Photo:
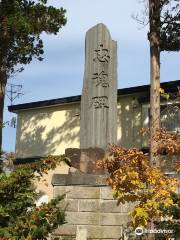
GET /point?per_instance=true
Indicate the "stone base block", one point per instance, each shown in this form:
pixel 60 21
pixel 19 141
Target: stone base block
pixel 85 159
pixel 93 232
pixel 103 232
pixel 65 230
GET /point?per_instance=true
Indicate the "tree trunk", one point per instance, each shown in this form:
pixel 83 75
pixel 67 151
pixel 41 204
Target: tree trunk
pixel 3 81
pixel 154 38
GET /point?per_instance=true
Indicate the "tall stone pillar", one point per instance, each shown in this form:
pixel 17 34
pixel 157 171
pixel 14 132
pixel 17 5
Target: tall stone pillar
pixel 98 125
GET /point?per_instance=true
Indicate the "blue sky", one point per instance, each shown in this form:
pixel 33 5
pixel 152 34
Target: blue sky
pixel 61 72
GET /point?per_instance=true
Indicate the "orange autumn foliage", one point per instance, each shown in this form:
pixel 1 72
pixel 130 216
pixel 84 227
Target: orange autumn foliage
pixel 133 179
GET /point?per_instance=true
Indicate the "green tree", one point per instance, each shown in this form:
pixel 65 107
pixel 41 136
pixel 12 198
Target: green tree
pixel 21 25
pixel 20 218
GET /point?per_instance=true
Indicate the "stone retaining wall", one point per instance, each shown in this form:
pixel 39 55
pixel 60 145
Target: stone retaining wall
pixel 90 206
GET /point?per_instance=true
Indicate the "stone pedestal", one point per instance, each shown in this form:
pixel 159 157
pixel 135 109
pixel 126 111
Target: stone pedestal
pixel 89 206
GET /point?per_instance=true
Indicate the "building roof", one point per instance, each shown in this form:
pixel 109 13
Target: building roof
pixel 168 86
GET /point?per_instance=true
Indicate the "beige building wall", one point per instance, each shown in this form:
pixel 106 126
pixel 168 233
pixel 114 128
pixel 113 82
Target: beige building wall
pixel 50 130
pixel 47 131
pixel 129 122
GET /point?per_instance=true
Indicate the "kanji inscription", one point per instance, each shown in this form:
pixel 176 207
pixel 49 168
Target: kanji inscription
pixel 100 102
pixel 101 79
pixel 102 54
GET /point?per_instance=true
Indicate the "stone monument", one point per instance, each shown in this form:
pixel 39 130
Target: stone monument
pixel 98 125
pixel 91 211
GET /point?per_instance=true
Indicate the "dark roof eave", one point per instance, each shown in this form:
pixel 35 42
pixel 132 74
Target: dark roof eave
pixel 45 103
pixel 168 86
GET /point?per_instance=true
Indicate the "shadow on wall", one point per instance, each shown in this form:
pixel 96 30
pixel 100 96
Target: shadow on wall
pixel 47 131
pixel 129 123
